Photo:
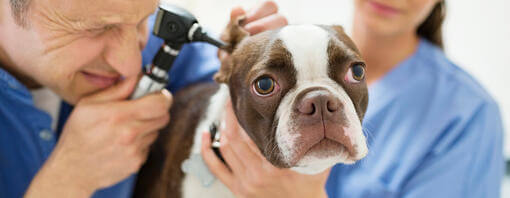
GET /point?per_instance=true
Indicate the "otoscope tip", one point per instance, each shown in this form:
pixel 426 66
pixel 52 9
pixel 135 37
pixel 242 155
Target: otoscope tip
pixel 200 35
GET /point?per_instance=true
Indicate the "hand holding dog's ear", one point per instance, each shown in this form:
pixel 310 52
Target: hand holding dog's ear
pixel 261 18
pixel 249 174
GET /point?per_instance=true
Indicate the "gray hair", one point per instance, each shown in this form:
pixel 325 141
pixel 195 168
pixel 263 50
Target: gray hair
pixel 19 11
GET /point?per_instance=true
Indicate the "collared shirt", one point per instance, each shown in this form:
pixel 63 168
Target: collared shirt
pixel 26 135
pixel 432 130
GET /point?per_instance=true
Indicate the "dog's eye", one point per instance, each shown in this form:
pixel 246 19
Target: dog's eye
pixel 264 85
pixel 356 73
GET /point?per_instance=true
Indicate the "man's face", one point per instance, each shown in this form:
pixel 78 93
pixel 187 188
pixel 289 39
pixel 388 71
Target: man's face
pixel 77 47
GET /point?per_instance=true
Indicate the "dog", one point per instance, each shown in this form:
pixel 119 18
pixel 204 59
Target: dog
pixel 299 93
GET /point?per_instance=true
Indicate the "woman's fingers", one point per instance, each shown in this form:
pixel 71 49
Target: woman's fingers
pixel 249 142
pixel 262 10
pixel 227 152
pixel 236 12
pixel 216 166
pixel 249 159
pixel 240 145
pixel 271 22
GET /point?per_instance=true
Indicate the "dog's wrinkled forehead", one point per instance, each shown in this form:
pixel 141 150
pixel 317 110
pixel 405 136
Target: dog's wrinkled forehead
pixel 308 48
pixel 312 47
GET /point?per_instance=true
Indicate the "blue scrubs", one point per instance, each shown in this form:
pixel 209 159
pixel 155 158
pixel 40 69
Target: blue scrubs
pixel 432 130
pixel 26 137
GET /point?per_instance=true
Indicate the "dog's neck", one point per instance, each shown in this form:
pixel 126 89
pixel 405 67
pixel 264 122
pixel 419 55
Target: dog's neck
pixel 213 115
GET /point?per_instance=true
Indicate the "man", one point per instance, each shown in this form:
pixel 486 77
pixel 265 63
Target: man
pixel 89 53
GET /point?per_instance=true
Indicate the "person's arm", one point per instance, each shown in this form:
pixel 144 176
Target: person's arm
pixel 466 164
pixel 105 140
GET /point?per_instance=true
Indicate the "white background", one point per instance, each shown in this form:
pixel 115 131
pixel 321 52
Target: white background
pixel 477 35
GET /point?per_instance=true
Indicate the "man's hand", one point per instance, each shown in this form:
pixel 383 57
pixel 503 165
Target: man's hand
pixel 261 18
pixel 105 140
pixel 249 174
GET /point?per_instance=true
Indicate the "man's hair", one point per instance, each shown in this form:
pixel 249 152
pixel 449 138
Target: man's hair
pixel 19 11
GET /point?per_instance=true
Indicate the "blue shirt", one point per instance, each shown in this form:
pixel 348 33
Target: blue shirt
pixel 26 137
pixel 432 130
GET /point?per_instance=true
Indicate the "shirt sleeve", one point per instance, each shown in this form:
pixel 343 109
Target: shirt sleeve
pixel 467 164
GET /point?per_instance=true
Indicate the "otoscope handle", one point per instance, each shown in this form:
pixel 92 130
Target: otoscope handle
pixel 145 86
pixel 176 27
pixel 156 77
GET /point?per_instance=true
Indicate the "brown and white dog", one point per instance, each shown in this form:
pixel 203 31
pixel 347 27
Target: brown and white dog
pixel 299 92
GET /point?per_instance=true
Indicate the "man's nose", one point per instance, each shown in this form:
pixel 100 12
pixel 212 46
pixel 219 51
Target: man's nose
pixel 123 51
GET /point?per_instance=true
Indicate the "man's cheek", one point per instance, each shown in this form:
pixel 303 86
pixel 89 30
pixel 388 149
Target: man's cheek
pixel 144 34
pixel 64 66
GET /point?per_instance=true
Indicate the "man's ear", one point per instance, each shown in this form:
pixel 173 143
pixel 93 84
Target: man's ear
pixel 233 35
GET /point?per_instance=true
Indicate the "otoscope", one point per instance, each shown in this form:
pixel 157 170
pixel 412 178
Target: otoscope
pixel 176 27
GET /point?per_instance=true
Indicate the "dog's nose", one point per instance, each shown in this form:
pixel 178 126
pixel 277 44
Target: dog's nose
pixel 318 103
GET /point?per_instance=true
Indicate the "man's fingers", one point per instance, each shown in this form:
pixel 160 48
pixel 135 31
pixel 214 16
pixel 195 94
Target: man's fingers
pixel 262 10
pixel 139 129
pixel 154 125
pixel 146 140
pixel 267 23
pixel 216 166
pixel 119 91
pixel 151 106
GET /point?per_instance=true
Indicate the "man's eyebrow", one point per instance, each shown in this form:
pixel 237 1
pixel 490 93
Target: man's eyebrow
pixel 109 21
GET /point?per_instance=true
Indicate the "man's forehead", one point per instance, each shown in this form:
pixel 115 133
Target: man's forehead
pixel 103 11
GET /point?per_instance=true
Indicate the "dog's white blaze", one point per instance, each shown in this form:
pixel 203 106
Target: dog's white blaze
pixel 191 186
pixel 308 45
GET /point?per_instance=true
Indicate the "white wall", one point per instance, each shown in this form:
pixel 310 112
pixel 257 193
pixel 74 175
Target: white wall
pixel 477 34
pixel 477 37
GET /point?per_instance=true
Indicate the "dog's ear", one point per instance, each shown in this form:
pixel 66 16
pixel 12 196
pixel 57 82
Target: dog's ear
pixel 233 35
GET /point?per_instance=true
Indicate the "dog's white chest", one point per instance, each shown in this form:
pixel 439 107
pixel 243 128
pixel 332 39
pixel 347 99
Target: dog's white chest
pixel 192 186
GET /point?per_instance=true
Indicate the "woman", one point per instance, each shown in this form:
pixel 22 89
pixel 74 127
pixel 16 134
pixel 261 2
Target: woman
pixel 433 131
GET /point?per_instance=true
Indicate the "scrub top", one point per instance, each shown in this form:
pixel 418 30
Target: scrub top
pixel 432 131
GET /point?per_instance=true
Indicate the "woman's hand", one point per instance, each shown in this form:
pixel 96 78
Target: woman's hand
pixel 261 18
pixel 249 174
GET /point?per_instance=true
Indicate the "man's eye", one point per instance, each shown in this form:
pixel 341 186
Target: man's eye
pixel 95 32
pixel 356 73
pixel 264 86
pixel 99 31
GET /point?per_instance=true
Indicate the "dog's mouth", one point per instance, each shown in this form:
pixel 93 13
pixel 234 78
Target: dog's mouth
pixel 323 149
pixel 335 144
